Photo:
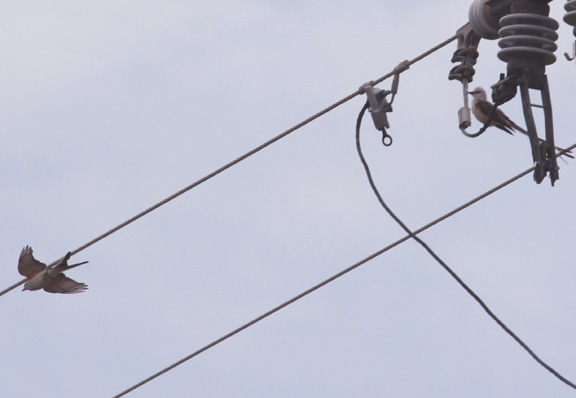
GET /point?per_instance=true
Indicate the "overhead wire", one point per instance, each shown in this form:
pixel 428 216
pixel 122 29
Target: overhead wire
pixel 243 157
pixel 446 267
pixel 411 234
pixel 334 277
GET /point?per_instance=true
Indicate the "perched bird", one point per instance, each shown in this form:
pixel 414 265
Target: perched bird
pixel 482 108
pixel 51 280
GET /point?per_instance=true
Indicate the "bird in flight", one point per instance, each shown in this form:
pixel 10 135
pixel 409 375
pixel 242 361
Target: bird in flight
pixel 52 279
pixel 482 108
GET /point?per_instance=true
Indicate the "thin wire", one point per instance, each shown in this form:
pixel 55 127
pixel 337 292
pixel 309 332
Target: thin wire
pixel 243 157
pixel 442 263
pixel 418 58
pixel 334 277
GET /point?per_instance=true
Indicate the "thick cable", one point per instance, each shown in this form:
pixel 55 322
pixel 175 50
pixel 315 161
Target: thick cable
pixel 241 158
pixel 334 277
pixel 443 264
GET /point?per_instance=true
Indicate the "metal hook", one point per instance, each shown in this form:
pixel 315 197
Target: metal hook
pixel 386 139
pixel 573 57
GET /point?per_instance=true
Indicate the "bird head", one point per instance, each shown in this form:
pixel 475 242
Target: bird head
pixel 478 93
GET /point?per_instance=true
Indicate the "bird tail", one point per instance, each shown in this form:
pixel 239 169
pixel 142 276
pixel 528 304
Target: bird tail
pixel 62 265
pixel 521 130
pixel 75 265
pixel 518 128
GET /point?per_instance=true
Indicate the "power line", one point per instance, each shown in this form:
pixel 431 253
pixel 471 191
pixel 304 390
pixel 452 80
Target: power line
pixel 333 278
pixel 442 263
pixel 243 157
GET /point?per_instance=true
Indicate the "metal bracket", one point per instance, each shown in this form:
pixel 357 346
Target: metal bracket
pixel 543 151
pixel 505 89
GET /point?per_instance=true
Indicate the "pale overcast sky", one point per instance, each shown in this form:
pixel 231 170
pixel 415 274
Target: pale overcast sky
pixel 108 107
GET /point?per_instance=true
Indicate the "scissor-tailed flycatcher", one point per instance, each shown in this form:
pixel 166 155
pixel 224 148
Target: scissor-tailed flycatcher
pixel 482 108
pixel 51 280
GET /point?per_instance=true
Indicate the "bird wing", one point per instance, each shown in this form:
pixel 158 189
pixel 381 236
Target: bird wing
pixel 28 265
pixel 62 284
pixel 516 127
pixel 482 110
pixel 503 122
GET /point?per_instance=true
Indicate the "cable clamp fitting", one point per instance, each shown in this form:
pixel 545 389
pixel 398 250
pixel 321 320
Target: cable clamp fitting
pixel 379 105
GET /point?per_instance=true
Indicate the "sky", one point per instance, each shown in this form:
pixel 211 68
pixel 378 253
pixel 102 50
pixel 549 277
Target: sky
pixel 108 107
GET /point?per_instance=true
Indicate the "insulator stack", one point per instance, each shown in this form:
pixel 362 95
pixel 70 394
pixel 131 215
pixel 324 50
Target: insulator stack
pixel 528 43
pixel 570 16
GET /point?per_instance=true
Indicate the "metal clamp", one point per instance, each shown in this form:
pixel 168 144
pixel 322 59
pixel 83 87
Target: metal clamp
pixel 379 105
